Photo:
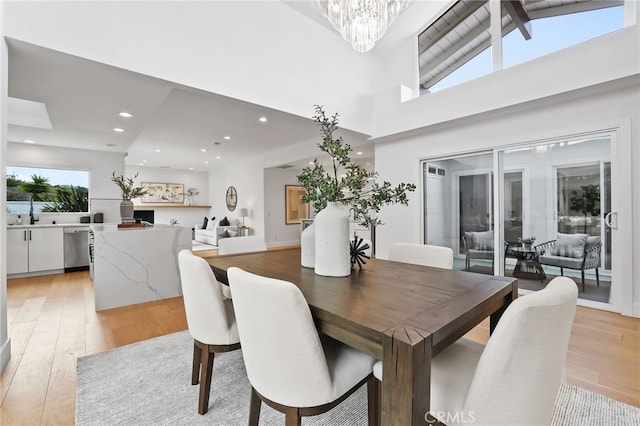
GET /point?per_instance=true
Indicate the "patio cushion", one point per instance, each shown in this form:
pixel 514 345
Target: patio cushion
pixel 562 261
pixel 570 245
pixel 591 242
pixel 482 240
pixel 480 254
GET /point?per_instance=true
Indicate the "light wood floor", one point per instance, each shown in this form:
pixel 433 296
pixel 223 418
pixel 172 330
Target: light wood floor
pixel 52 322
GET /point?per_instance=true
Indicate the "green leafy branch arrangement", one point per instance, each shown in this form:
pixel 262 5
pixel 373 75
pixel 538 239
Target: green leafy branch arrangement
pixel 127 187
pixel 356 187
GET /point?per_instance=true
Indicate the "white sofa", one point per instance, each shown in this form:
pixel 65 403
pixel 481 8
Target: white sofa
pixel 214 232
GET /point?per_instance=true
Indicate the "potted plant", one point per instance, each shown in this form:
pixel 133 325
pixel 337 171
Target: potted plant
pixel 191 192
pixel 527 243
pixel 129 191
pixel 346 184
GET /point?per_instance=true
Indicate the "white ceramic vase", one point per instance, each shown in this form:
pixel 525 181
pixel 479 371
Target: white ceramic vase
pixel 332 241
pixel 308 246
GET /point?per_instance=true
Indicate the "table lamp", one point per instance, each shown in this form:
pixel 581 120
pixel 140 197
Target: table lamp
pixel 243 212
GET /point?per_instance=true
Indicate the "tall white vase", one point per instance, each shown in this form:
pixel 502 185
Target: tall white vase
pixel 332 241
pixel 308 246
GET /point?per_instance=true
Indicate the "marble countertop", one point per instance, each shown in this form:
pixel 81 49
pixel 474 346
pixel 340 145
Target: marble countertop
pixel 113 227
pixel 48 225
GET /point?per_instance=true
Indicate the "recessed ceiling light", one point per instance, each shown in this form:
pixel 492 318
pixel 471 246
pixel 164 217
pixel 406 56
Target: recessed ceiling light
pixel 125 114
pixel 206 162
pixel 29 141
pixel 311 162
pixel 203 150
pixel 144 161
pixel 156 150
pixel 227 138
pixel 218 157
pixel 190 168
pixel 216 143
pixel 359 153
pixel 140 164
pixel 263 119
pixel 118 129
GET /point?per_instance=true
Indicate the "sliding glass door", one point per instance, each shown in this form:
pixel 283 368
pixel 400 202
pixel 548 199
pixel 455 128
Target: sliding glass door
pixel 458 194
pixel 557 195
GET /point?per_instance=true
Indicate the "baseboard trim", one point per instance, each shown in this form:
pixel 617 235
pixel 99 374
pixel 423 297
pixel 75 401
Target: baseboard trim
pixel 5 354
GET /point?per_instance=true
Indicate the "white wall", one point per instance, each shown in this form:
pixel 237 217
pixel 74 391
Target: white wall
pixel 190 179
pixel 5 342
pixel 249 50
pixel 277 232
pixel 248 179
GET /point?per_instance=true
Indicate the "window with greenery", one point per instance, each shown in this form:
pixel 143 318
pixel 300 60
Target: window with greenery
pixel 49 190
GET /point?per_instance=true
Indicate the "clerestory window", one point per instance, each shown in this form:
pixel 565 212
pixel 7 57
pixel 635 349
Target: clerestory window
pixel 456 47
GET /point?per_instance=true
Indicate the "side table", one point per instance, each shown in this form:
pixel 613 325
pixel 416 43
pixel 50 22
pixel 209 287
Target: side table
pixel 528 266
pixel 243 231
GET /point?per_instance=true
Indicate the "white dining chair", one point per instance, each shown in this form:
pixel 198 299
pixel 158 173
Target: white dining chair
pixel 514 379
pixel 290 366
pixel 241 245
pixel 422 254
pixel 210 319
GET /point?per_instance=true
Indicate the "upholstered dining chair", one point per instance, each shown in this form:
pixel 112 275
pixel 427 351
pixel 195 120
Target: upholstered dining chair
pixel 210 320
pixel 514 379
pixel 290 367
pixel 422 254
pixel 241 245
pixel 418 254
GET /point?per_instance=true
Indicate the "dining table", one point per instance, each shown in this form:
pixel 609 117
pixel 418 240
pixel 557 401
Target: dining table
pixel 403 314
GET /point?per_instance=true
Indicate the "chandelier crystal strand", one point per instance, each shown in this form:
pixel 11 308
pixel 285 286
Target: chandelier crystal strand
pixel 361 22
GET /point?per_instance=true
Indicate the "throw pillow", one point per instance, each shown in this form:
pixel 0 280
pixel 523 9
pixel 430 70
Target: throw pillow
pixel 212 224
pixel 225 234
pixel 232 233
pixel 483 240
pixel 570 245
pixel 224 222
pixel 204 224
pixel 591 242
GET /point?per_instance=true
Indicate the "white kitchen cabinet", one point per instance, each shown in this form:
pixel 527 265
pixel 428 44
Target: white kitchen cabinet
pixel 34 250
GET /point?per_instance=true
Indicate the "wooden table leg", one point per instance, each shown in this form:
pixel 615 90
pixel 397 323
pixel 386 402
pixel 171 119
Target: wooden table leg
pixel 495 317
pixel 406 375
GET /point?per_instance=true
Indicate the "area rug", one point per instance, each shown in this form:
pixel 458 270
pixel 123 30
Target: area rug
pixel 149 383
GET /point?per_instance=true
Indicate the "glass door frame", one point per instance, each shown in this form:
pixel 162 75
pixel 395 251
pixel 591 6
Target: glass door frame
pixel 621 299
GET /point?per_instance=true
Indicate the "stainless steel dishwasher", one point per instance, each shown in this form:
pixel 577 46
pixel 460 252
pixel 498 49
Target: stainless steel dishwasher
pixel 76 248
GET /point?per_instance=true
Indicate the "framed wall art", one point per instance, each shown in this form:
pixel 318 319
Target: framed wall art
pixel 294 209
pixel 163 192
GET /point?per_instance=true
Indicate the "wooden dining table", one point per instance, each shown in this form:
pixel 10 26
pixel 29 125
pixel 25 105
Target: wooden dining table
pixel 401 313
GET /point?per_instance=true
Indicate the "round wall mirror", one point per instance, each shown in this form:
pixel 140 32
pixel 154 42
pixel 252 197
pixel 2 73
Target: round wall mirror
pixel 232 198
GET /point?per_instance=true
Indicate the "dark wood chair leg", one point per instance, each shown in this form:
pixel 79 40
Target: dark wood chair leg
pixel 583 290
pixel 597 278
pixel 205 379
pixel 197 360
pixel 292 416
pixel 562 271
pixel 374 407
pixel 254 408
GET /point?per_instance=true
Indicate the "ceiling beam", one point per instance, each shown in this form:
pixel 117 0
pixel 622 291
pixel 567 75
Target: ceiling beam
pixel 519 17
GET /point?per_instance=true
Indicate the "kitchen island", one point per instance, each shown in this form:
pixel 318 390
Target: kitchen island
pixel 136 265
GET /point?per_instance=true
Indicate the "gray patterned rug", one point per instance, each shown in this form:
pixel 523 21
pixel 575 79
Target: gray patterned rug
pixel 149 383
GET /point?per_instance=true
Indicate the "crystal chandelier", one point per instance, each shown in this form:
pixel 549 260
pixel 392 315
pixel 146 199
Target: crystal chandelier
pixel 361 22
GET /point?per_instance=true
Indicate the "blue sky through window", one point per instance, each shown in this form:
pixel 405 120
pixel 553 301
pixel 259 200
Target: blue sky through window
pixel 548 35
